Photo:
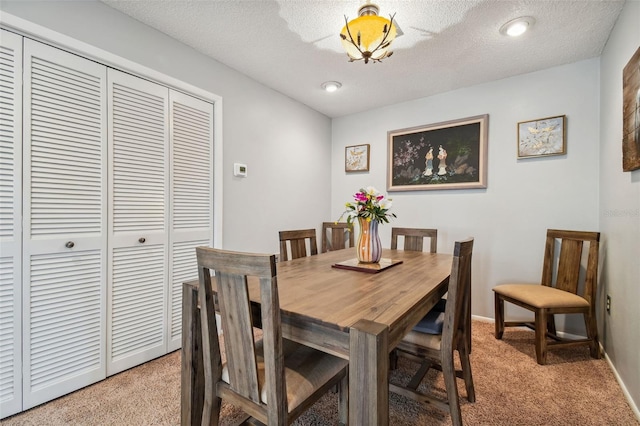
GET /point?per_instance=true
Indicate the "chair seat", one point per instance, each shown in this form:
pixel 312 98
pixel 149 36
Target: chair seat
pixel 306 369
pixel 540 296
pixel 424 340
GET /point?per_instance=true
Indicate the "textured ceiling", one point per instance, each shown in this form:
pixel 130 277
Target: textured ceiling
pixel 293 46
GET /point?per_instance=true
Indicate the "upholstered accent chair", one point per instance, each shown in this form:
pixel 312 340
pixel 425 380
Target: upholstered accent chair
pixel 564 289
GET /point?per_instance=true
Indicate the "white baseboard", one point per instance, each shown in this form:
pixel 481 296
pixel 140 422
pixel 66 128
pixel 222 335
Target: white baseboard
pixel 482 319
pixel 625 392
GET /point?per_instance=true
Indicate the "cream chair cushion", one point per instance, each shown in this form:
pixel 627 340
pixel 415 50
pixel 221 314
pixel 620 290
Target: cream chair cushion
pixel 429 341
pixel 541 296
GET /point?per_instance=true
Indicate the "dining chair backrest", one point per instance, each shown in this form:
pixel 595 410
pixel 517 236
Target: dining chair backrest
pixel 414 238
pixel 231 270
pixel 298 242
pixel 458 305
pixel 567 270
pixel 258 371
pixel 336 236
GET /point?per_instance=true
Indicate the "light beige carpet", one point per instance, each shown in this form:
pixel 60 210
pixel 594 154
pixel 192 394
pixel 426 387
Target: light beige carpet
pixel 511 389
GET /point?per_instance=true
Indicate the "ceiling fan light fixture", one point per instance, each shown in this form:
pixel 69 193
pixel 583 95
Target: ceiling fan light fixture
pixel 518 26
pixel 369 36
pixel 331 86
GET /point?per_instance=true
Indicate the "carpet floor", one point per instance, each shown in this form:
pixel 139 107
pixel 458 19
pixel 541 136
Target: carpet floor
pixel 511 389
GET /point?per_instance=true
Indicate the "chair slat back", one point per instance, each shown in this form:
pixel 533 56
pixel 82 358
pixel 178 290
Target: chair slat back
pixel 231 270
pixel 336 236
pixel 414 238
pixel 567 272
pixel 235 314
pixel 458 295
pixel 298 242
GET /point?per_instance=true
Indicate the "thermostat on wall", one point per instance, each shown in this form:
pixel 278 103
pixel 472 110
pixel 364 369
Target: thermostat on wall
pixel 239 169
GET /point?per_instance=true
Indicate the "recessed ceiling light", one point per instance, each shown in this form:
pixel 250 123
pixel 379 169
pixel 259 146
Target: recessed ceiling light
pixel 331 86
pixel 517 26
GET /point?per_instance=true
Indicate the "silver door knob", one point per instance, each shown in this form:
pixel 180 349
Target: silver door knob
pixel 141 240
pixel 69 244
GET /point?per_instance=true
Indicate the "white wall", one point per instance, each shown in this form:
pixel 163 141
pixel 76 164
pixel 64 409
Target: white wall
pixel 285 144
pixel 620 208
pixel 524 197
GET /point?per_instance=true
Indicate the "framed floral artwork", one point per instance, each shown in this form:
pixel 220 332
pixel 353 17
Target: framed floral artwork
pixel 542 137
pixel 631 114
pixel 356 158
pixel 447 155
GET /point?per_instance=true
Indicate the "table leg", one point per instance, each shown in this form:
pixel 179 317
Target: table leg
pixel 192 368
pixel 368 374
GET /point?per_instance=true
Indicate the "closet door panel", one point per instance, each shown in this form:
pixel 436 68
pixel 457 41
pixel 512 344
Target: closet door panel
pixel 183 265
pixel 64 245
pixel 10 226
pixel 139 163
pixel 191 197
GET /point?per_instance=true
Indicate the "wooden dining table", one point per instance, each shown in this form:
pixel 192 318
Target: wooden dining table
pixel 356 315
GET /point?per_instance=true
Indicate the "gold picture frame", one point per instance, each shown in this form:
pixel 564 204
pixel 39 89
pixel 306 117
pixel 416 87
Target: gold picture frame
pixel 356 158
pixel 542 137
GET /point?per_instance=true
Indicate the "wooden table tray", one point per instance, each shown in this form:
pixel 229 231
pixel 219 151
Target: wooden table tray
pixel 370 268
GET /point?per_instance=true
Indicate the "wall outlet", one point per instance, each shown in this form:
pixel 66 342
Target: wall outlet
pixel 608 304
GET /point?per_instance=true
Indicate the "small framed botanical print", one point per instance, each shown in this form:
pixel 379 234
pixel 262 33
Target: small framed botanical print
pixel 542 137
pixel 356 158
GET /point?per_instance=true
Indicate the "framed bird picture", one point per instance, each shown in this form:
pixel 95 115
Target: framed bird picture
pixel 542 137
pixel 356 158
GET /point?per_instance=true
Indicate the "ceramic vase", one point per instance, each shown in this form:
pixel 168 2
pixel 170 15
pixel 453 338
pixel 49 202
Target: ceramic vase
pixel 369 247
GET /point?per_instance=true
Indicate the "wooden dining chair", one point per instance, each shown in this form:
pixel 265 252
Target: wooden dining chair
pixel 564 289
pixel 414 238
pixel 272 379
pixel 437 336
pixel 336 236
pixel 297 240
pixel 414 241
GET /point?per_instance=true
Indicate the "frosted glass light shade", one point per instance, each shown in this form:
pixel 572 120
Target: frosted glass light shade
pixel 368 38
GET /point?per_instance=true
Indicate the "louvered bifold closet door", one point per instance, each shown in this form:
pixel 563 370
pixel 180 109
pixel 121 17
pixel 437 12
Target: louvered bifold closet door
pixel 139 188
pixel 10 227
pixel 65 241
pixel 191 196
